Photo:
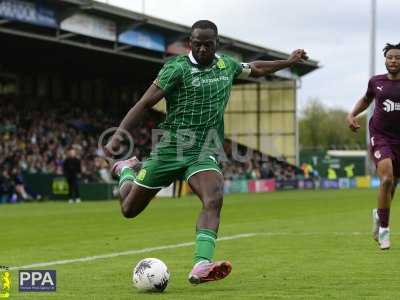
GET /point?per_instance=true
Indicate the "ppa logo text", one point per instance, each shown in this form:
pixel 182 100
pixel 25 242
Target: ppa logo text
pixel 37 281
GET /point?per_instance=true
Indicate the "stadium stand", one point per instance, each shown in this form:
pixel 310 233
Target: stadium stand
pixel 69 69
pixel 36 142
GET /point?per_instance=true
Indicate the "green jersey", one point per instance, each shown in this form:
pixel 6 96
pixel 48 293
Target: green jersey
pixel 196 97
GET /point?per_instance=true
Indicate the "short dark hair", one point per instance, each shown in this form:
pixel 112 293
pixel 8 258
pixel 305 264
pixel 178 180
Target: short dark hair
pixel 390 47
pixel 204 24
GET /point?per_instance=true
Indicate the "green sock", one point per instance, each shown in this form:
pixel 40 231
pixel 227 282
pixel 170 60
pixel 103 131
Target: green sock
pixel 205 245
pixel 127 174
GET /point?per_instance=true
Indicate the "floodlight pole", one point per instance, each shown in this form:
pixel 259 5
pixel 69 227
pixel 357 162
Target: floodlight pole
pixel 372 40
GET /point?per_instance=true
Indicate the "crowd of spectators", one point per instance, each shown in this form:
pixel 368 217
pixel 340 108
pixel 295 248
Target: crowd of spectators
pixel 37 141
pixel 255 165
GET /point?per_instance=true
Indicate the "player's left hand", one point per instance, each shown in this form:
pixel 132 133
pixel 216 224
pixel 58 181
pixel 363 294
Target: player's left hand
pixel 297 56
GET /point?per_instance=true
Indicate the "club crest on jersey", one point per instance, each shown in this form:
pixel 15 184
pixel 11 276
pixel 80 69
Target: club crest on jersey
pixel 221 64
pixel 389 105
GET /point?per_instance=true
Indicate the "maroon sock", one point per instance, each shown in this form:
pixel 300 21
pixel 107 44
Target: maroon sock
pixel 384 214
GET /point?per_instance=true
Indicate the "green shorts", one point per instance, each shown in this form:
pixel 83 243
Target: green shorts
pixel 157 173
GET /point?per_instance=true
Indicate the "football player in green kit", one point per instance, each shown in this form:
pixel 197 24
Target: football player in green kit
pixel 196 88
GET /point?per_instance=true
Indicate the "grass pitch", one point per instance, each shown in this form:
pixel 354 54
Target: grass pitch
pixel 307 245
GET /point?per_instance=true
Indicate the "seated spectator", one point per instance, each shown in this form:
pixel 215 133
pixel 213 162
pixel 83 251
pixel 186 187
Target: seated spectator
pixel 19 185
pixel 7 193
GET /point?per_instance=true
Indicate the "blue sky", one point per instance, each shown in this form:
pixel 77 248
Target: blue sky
pixel 336 33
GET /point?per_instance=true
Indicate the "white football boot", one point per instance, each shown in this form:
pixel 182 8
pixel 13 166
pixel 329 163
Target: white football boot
pixel 384 238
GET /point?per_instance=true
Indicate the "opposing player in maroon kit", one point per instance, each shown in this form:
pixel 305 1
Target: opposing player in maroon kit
pixel 384 129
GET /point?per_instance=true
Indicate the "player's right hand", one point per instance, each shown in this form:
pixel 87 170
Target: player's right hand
pixel 352 122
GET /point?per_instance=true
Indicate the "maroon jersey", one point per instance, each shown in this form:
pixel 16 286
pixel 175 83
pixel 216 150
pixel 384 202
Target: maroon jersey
pixel 385 122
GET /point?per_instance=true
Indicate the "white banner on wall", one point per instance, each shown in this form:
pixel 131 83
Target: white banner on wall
pixel 90 26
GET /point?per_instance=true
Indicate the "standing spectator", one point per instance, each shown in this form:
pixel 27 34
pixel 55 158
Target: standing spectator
pixel 331 173
pixel 307 170
pixel 72 171
pixel 349 169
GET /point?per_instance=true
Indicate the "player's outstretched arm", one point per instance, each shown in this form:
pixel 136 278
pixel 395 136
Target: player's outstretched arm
pixel 150 98
pixel 261 68
pixel 360 106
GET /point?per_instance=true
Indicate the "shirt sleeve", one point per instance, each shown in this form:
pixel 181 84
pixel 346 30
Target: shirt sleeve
pixel 242 70
pixel 169 76
pixel 245 71
pixel 370 91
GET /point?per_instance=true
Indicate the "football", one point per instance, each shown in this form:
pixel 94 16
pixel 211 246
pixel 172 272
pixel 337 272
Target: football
pixel 150 275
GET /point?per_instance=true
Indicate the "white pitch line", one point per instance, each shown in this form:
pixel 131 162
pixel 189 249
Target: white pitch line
pixel 166 247
pixel 124 253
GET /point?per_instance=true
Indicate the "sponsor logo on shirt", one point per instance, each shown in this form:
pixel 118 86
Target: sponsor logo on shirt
pixel 380 88
pixel 389 105
pixel 194 70
pixel 196 82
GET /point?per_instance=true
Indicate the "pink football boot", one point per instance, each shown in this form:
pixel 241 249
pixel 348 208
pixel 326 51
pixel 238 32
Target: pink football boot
pixel 205 271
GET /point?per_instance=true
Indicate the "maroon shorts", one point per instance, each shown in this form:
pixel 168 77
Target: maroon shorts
pixel 379 149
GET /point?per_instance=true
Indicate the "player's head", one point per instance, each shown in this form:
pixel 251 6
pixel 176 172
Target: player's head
pixel 392 55
pixel 203 41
